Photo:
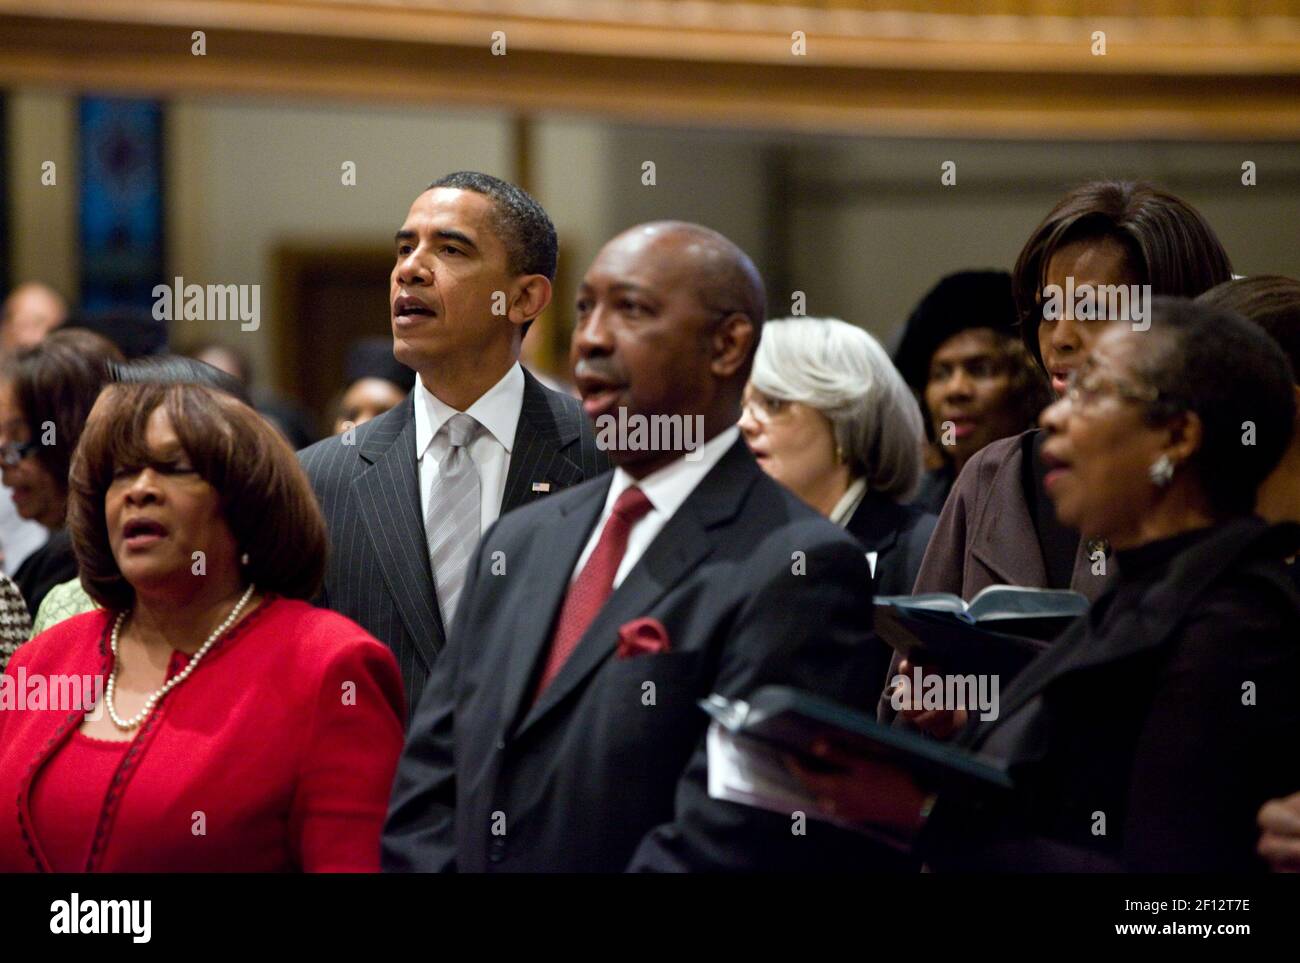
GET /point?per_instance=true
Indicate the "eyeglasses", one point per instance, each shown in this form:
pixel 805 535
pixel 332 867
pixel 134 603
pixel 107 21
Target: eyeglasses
pixel 1085 388
pixel 15 451
pixel 762 408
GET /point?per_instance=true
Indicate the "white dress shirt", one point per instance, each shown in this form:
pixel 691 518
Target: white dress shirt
pixel 666 489
pixel 497 410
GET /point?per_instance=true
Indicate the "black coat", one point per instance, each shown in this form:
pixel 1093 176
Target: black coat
pixel 591 777
pixel 379 574
pixel 52 564
pixel 1170 711
pixel 898 534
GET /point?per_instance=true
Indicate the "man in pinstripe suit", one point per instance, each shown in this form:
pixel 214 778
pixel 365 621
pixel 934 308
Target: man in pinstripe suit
pixel 407 495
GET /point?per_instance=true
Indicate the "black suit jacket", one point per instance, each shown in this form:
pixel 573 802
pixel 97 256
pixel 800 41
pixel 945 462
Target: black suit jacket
pixel 1140 712
pixel 378 572
pixel 898 534
pixel 607 771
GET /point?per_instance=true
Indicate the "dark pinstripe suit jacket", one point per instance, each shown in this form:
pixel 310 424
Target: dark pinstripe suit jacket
pixel 378 572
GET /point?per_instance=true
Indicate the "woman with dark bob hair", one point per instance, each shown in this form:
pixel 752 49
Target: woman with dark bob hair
pixel 46 393
pixel 1149 734
pixel 239 728
pixel 998 526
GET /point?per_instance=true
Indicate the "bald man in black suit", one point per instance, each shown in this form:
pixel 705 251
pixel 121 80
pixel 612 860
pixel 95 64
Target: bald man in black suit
pixel 560 730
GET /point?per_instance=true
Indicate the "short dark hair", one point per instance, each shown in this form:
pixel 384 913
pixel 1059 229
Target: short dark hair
pixel 524 225
pixel 266 498
pixel 1228 371
pixel 56 383
pixel 1271 301
pixel 175 369
pixel 1169 244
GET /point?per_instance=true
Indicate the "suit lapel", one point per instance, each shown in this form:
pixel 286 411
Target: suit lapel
pixel 875 522
pixel 675 553
pixel 388 498
pixel 1003 538
pixel 537 458
pixel 560 541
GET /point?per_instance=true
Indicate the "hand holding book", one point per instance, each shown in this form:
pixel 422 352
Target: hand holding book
pixel 863 790
pixel 935 723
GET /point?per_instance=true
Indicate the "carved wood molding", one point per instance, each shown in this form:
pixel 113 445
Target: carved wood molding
pixel 689 63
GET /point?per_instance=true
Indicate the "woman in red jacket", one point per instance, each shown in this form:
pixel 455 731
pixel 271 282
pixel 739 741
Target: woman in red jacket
pixel 239 728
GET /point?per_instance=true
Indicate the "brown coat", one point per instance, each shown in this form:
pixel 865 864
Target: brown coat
pixel 986 536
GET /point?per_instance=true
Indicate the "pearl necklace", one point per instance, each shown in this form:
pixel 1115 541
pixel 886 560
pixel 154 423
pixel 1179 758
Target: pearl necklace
pixel 126 725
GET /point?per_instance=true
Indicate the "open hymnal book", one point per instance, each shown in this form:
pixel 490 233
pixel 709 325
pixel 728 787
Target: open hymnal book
pixel 997 603
pixel 1003 629
pixel 749 740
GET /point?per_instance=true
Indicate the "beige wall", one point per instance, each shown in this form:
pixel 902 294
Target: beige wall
pixel 42 219
pixel 870 226
pixel 888 229
pixel 246 176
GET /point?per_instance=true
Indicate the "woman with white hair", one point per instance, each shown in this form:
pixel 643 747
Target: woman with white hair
pixel 827 414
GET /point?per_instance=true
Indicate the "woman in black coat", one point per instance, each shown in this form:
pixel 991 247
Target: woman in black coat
pixel 46 393
pixel 828 415
pixel 1147 737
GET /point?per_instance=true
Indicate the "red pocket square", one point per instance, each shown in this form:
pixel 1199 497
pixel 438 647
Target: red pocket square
pixel 642 637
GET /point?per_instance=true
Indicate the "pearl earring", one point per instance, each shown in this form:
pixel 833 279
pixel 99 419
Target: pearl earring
pixel 243 559
pixel 1162 471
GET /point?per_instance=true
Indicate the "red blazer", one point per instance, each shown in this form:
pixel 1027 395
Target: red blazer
pixel 285 739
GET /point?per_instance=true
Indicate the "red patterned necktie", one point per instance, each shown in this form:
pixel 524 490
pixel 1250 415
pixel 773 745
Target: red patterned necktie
pixel 594 583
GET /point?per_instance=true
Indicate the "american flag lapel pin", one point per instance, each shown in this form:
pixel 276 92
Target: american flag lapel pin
pixel 541 487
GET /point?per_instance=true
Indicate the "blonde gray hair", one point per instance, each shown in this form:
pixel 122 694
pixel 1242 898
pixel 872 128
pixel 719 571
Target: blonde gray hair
pixel 843 372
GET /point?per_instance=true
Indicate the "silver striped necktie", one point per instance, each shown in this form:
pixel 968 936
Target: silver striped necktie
pixel 453 522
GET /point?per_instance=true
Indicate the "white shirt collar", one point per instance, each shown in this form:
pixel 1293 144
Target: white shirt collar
pixel 671 485
pixel 497 410
pixel 849 502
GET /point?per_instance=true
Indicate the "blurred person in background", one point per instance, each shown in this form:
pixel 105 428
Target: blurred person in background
pixel 227 693
pixel 288 417
pixel 30 312
pixel 1273 302
pixel 15 620
pixel 46 392
pixel 375 382
pixel 136 333
pixel 70 598
pixel 960 352
pixel 827 415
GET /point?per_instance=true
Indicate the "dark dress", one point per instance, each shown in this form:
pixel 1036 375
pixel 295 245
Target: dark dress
pixel 1148 736
pixel 50 565
pixel 935 486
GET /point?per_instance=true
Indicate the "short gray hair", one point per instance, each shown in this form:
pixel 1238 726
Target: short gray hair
pixel 843 372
